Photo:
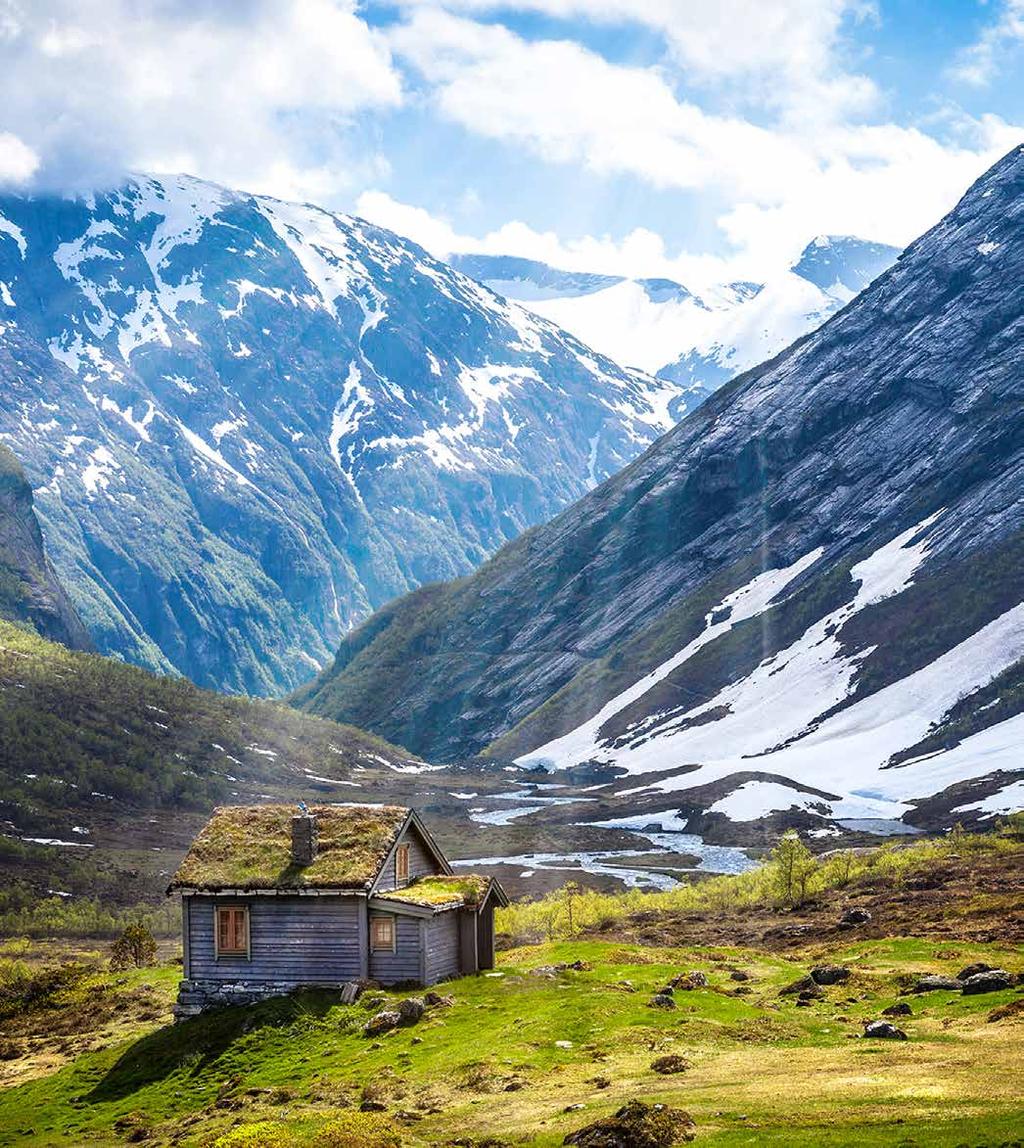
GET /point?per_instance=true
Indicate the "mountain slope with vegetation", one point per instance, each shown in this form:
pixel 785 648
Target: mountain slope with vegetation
pixel 806 597
pixel 250 422
pixel 29 589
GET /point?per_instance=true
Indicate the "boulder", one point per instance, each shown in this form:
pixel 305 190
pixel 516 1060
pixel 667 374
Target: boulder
pixel 933 982
pixel 383 1021
pixel 637 1125
pixel 410 1010
pixel 854 917
pixel 671 1064
pixel 883 1030
pixel 972 970
pixel 901 1008
pixel 804 984
pixel 434 1000
pixel 739 975
pixel 830 974
pixel 991 981
pixel 660 1000
pixel 691 980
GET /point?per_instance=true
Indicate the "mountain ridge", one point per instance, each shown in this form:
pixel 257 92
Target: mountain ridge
pixel 249 422
pixel 773 541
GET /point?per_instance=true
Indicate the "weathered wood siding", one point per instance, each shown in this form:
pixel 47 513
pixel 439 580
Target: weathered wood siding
pixel 302 940
pixel 405 963
pixel 485 936
pixel 421 861
pixel 442 947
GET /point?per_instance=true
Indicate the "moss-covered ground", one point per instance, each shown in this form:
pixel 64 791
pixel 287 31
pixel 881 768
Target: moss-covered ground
pixel 520 1047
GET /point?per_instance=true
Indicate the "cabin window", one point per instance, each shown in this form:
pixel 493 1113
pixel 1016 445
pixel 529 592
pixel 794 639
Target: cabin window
pixel 382 933
pixel 402 864
pixel 232 931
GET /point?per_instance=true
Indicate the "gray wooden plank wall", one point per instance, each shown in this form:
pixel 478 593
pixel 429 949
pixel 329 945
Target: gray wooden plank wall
pixel 303 940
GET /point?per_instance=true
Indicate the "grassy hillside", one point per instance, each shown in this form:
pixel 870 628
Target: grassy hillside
pixel 562 1033
pixel 530 1053
pixel 123 766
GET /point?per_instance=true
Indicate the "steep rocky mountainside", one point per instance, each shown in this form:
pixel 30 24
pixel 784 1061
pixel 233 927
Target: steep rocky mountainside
pixel 807 596
pixel 29 590
pixel 248 422
pixel 699 340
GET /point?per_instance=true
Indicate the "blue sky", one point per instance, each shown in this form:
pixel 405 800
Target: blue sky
pixel 638 136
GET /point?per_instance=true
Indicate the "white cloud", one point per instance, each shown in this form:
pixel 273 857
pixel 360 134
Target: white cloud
pixel 256 93
pixel 979 62
pixel 18 162
pixel 780 183
pixel 784 54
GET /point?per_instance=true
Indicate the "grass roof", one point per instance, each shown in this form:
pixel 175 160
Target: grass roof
pixel 467 889
pixel 250 847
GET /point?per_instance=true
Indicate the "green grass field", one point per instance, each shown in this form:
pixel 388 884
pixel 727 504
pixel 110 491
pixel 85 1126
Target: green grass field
pixel 763 1071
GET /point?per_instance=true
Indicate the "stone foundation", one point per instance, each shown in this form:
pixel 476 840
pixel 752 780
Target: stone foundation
pixel 195 997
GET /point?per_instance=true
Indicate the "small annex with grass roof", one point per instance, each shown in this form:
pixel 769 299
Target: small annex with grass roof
pixel 276 898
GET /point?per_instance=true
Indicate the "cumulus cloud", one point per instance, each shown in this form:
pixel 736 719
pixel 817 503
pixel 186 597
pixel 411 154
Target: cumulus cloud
pixel 780 181
pixel 18 162
pixel 978 63
pixel 257 93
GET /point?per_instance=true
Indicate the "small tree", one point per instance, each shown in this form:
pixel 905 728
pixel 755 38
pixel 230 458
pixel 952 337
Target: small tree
pixel 134 948
pixel 794 866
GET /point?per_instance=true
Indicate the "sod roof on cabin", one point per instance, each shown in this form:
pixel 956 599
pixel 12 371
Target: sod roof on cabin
pixel 250 847
pixel 467 889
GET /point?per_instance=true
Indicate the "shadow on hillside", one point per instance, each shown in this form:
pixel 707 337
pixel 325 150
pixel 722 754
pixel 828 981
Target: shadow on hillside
pixel 191 1048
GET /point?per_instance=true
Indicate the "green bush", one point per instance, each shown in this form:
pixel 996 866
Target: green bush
pixel 135 948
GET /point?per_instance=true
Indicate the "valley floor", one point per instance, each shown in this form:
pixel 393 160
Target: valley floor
pixel 531 1052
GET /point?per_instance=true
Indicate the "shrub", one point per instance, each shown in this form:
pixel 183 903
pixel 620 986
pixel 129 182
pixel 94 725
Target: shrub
pixel 358 1130
pixel 265 1134
pixel 134 948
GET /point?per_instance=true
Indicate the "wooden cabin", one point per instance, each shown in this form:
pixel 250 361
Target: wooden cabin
pixel 273 899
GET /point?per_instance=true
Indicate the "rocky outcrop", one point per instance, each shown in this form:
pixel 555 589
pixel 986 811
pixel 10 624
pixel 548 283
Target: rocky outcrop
pixel 29 589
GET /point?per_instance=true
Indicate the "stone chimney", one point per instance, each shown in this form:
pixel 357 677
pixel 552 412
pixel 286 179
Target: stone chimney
pixel 304 839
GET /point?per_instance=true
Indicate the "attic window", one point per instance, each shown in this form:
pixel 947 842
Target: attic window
pixel 382 933
pixel 233 931
pixel 402 864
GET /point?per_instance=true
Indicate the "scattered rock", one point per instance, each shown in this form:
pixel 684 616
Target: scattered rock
pixel 372 1106
pixel 600 1081
pixel 573 1107
pixel 830 974
pixel 991 981
pixel 854 917
pixel 433 1000
pixel 883 1030
pixel 1004 1012
pixel 659 1000
pixel 410 1010
pixel 804 984
pixel 973 970
pixel 901 1008
pixel 739 975
pixel 383 1021
pixel 671 1064
pixel 563 1044
pixel 691 980
pixel 933 982
pixel 637 1125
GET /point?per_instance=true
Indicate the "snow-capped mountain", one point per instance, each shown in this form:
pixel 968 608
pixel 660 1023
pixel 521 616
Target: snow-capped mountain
pixel 698 340
pixel 807 597
pixel 249 422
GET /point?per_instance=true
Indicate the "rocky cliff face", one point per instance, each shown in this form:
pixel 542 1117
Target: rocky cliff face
pixel 806 596
pixel 249 422
pixel 29 590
